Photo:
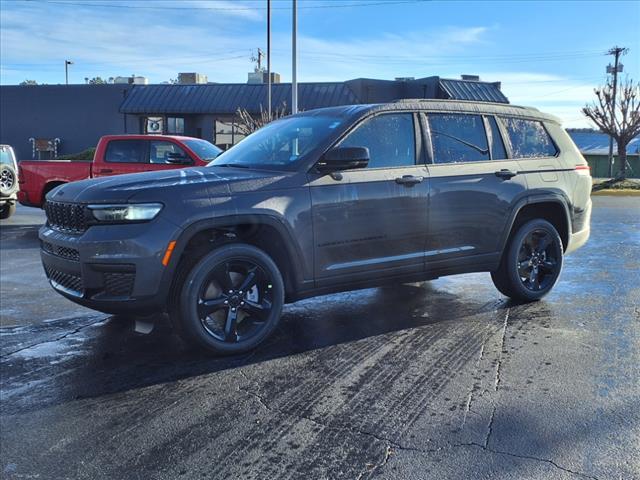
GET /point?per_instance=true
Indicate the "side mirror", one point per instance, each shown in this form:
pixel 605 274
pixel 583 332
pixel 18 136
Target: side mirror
pixel 178 159
pixel 343 158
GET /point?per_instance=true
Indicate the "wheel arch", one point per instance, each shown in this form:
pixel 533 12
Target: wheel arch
pixel 50 185
pixel 262 231
pixel 551 207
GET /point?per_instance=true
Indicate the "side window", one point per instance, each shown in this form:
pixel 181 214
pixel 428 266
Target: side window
pixel 529 138
pixel 390 139
pixel 159 151
pixel 126 151
pixel 458 138
pixel 498 152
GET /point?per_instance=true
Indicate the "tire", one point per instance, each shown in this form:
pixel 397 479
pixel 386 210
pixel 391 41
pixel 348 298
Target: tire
pixel 531 263
pixel 215 309
pixel 7 210
pixel 8 180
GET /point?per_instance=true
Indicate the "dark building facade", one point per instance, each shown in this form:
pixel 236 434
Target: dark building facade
pixel 78 115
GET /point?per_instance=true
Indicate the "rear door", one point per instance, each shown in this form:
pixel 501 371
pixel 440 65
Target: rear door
pixel 473 186
pixel 373 221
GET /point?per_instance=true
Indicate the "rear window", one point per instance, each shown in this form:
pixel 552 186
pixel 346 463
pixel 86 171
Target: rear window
pixel 458 138
pixel 529 138
pixel 126 151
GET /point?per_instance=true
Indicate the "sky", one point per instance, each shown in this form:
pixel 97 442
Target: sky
pixel 547 54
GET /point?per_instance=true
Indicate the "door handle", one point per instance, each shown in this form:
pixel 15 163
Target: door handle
pixel 506 174
pixel 106 170
pixel 409 180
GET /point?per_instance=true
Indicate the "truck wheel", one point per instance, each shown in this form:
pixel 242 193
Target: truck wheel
pixel 532 262
pixel 8 180
pixel 231 299
pixel 7 210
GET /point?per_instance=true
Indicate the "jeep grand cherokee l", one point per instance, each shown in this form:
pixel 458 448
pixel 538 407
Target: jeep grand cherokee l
pixel 325 201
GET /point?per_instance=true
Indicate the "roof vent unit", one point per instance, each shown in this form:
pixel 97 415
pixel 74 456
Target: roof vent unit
pixel 405 79
pixel 470 78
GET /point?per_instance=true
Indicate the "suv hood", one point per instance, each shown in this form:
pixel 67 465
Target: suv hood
pixel 160 185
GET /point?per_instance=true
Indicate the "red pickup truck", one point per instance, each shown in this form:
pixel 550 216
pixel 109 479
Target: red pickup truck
pixel 115 155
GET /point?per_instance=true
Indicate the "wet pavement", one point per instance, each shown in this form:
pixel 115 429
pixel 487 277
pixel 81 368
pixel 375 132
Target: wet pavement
pixel 443 380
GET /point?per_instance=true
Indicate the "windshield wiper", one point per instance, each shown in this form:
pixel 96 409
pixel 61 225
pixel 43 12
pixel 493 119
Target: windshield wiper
pixel 232 165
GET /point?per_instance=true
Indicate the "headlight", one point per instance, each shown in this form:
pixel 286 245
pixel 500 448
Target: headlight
pixel 135 212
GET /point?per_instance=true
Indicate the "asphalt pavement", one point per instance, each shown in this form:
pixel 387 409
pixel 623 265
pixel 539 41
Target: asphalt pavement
pixel 441 380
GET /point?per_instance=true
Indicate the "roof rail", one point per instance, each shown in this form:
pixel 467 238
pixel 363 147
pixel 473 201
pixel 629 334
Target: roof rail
pixel 453 100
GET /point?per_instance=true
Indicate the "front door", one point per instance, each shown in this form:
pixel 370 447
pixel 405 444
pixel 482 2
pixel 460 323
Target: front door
pixel 372 222
pixel 473 186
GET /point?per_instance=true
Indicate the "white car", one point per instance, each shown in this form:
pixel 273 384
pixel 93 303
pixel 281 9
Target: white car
pixel 8 181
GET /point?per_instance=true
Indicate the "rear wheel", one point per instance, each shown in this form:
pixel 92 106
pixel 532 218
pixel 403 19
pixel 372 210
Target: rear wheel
pixel 231 300
pixel 532 263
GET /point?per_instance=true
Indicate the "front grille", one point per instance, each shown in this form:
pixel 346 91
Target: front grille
pixel 63 252
pixel 118 284
pixel 66 280
pixel 66 217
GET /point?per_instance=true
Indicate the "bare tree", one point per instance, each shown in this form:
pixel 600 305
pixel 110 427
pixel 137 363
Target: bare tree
pixel 247 123
pixel 29 82
pixel 625 124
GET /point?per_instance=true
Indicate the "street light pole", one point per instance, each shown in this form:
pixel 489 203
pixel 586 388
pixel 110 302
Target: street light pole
pixel 294 60
pixel 66 71
pixel 269 57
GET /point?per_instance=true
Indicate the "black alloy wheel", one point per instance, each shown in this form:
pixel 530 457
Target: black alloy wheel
pixel 232 299
pixel 235 300
pixel 532 263
pixel 538 260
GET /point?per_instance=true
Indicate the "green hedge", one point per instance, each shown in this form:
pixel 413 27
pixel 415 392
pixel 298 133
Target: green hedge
pixel 84 155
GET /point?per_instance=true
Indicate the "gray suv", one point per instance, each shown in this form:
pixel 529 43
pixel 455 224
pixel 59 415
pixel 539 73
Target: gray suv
pixel 325 201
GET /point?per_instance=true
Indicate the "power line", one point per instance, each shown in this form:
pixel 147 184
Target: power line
pixel 228 9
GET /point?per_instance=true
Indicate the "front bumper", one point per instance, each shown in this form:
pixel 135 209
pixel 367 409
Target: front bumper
pixel 111 268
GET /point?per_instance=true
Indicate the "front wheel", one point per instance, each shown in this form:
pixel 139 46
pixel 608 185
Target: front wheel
pixel 532 262
pixel 231 300
pixel 7 210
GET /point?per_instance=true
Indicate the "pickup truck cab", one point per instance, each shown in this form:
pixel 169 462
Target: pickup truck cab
pixel 115 155
pixel 325 201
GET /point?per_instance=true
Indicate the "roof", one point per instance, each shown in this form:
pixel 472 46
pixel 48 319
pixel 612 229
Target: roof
pixel 472 90
pixel 228 98
pixel 592 142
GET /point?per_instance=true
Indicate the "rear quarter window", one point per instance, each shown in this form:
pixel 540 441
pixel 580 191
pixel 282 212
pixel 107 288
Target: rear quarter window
pixel 529 138
pixel 126 151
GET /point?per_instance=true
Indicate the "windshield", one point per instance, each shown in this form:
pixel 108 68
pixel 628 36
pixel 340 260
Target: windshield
pixel 6 155
pixel 280 144
pixel 202 148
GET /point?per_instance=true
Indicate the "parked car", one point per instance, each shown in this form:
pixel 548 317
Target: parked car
pixel 8 182
pixel 326 201
pixel 115 155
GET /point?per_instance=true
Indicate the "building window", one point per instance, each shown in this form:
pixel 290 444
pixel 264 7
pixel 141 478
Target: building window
pixel 154 125
pixel 175 125
pixel 227 134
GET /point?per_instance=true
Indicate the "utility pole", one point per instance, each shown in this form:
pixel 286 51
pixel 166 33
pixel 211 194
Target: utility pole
pixel 66 71
pixel 617 67
pixel 269 57
pixel 294 60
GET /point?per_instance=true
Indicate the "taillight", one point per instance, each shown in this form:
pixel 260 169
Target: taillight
pixel 20 175
pixel 583 170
